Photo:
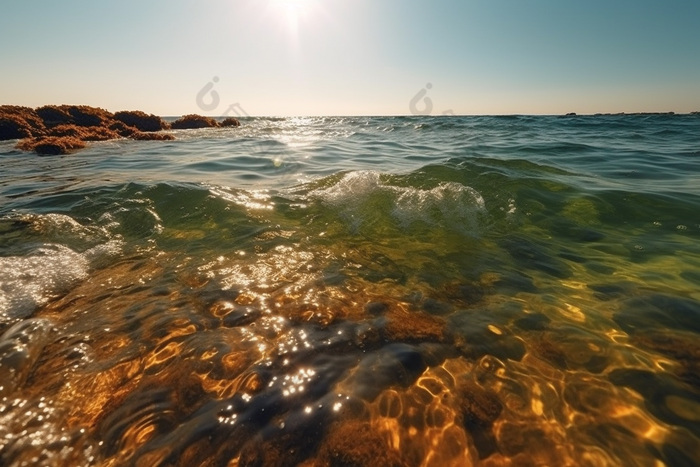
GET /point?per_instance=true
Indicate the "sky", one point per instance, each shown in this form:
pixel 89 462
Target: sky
pixel 353 57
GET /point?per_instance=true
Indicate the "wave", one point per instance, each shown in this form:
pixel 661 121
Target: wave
pixel 47 271
pixel 366 197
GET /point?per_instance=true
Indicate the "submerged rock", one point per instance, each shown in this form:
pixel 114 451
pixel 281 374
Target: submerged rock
pixel 51 145
pixel 479 409
pixel 533 256
pixel 659 311
pixel 664 397
pixel 150 136
pixel 416 326
pixel 680 347
pixel 193 121
pixel 355 443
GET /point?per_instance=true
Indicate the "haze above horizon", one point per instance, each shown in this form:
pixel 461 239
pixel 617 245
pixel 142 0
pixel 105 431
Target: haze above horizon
pixel 361 57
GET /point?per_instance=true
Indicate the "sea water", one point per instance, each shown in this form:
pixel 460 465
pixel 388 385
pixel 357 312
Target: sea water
pixel 381 291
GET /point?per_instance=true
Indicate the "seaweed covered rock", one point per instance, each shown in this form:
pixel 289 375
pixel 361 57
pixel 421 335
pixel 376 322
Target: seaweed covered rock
pixel 230 121
pixel 79 115
pixel 19 122
pixel 150 136
pixel 659 311
pixel 683 348
pixel 51 145
pixel 416 326
pixel 13 127
pixel 53 115
pixel 84 115
pixel 141 120
pixel 122 129
pixel 84 133
pixel 479 409
pixel 355 443
pixel 193 121
pixel 59 129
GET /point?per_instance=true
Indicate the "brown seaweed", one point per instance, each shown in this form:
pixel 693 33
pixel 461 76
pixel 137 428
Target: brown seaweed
pixel 151 136
pixel 230 121
pixel 51 145
pixel 193 121
pixel 18 122
pixel 141 120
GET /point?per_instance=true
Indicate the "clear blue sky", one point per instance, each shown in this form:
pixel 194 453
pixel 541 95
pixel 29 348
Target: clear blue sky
pixel 354 57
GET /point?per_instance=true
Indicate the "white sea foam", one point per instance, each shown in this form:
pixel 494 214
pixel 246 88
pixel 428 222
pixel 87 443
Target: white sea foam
pixel 30 281
pixel 362 196
pixel 59 228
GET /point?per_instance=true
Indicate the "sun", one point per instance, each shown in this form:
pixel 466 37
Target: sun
pixel 294 9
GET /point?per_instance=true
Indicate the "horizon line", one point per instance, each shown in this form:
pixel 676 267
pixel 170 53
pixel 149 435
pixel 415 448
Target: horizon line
pixel 570 114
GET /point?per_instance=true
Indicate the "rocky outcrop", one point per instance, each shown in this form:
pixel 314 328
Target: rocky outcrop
pixel 92 133
pixel 230 121
pixel 122 129
pixel 79 115
pixel 19 122
pixel 193 121
pixel 141 120
pixel 61 129
pixel 54 115
pixel 51 145
pixel 13 127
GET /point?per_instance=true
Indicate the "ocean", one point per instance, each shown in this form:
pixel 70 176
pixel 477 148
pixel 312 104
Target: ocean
pixel 351 291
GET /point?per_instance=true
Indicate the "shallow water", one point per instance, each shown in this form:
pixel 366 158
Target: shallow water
pixel 356 291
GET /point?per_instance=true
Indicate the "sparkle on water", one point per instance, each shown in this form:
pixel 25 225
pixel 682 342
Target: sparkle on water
pixel 356 291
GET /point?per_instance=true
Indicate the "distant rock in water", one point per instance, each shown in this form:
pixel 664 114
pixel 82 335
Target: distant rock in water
pixel 141 120
pixel 193 121
pixel 61 129
pixel 19 122
pixel 230 121
pixel 51 145
pixel 571 114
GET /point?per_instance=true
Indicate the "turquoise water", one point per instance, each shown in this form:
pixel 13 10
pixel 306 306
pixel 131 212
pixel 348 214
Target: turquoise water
pixel 356 291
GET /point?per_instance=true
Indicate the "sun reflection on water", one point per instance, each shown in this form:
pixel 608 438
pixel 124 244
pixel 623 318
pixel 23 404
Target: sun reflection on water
pixel 291 348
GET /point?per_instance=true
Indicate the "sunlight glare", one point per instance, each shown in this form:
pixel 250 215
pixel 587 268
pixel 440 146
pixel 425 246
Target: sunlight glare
pixel 295 13
pixel 294 9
